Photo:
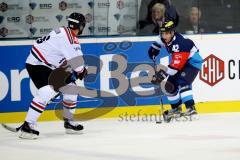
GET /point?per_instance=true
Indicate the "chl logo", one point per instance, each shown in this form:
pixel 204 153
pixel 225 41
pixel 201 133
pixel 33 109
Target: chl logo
pixel 212 70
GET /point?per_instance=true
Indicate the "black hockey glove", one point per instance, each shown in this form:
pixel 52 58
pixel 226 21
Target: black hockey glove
pixel 82 74
pixel 159 77
pixel 75 75
pixel 152 52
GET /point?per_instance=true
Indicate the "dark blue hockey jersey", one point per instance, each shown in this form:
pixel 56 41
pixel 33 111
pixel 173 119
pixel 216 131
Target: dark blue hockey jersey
pixel 183 51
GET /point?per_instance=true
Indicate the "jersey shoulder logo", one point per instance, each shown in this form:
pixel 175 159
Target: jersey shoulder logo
pixel 177 59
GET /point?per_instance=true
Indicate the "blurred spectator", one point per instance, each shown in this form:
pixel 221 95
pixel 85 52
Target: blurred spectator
pixel 222 15
pixel 157 12
pixel 193 24
pixel 151 25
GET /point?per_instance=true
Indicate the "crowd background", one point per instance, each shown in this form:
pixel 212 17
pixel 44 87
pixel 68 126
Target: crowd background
pixel 33 18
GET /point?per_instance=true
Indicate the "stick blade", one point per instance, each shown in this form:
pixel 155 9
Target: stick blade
pixel 9 128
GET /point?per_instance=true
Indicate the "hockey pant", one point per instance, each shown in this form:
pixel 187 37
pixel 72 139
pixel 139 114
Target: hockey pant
pixel 182 82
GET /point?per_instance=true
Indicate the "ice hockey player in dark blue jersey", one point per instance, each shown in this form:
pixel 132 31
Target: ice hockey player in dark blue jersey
pixel 185 64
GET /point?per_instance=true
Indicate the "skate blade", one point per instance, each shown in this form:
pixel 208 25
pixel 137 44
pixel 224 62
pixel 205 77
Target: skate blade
pixel 25 135
pixel 194 117
pixel 70 131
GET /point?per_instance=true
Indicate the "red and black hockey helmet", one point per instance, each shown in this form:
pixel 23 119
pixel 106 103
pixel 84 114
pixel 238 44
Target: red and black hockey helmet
pixel 76 20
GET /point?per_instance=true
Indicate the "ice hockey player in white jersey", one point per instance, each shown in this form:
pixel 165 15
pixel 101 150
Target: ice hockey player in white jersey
pixel 185 64
pixel 47 54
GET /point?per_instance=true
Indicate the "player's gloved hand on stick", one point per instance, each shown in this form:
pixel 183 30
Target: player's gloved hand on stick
pixel 76 75
pixel 81 75
pixel 152 52
pixel 159 77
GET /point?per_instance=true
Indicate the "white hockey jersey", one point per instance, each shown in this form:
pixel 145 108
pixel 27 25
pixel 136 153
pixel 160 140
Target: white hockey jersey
pixel 55 48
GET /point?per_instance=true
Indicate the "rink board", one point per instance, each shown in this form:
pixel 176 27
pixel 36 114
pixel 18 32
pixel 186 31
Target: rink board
pixel 215 89
pixel 122 112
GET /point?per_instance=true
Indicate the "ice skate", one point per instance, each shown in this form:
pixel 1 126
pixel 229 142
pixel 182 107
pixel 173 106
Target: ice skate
pixel 190 111
pixel 72 127
pixel 27 131
pixel 172 113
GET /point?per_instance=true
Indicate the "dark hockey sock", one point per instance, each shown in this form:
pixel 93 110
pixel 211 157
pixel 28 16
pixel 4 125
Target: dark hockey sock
pixel 189 103
pixel 174 106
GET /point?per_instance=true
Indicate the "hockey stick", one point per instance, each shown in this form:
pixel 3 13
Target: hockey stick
pixel 13 129
pixel 161 101
pixel 16 129
pixel 9 128
pixel 78 101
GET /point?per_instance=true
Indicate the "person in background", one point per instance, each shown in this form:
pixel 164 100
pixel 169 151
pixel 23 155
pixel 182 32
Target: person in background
pixel 193 24
pixel 157 12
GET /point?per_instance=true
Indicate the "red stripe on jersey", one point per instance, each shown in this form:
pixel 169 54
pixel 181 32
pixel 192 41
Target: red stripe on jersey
pixel 73 34
pixel 75 39
pixel 38 105
pixel 40 55
pixel 69 104
pixel 68 35
pixel 179 59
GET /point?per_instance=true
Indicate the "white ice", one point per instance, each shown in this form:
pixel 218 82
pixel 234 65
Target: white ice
pixel 212 137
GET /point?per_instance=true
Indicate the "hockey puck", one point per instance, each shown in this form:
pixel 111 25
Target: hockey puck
pixel 158 122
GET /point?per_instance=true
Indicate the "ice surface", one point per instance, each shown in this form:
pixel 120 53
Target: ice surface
pixel 212 137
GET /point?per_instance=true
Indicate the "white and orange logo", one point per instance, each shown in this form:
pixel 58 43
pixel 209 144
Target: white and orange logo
pixel 212 70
